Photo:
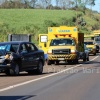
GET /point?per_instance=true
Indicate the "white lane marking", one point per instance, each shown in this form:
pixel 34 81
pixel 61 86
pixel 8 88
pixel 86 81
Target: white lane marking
pixel 20 84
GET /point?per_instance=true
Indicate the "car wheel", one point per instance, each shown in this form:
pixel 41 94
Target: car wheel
pixel 14 70
pixel 39 69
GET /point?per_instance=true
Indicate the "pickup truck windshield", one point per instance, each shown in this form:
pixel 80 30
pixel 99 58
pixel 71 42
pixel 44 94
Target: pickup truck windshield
pixel 62 42
pixel 8 47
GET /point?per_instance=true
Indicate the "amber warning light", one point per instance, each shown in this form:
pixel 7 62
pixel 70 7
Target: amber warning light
pixel 64 35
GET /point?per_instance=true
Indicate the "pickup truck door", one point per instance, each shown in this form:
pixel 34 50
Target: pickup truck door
pixel 24 56
pixel 33 54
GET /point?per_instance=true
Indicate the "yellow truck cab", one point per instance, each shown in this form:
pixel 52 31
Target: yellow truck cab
pixel 92 38
pixel 97 38
pixel 62 44
pixel 90 46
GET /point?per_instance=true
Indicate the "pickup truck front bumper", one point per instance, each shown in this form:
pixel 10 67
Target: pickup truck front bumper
pixel 62 57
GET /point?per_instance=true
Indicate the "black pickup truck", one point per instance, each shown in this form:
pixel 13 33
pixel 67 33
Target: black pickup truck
pixel 17 56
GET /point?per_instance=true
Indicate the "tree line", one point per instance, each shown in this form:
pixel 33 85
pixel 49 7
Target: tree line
pixel 47 4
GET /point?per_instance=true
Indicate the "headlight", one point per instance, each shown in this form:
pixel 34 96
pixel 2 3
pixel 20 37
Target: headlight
pixel 49 51
pixel 94 47
pixel 6 56
pixel 73 51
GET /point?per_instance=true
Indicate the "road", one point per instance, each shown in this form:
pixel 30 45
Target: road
pixel 77 82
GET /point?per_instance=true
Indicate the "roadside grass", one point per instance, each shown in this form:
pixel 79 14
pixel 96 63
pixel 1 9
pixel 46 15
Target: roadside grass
pixel 35 21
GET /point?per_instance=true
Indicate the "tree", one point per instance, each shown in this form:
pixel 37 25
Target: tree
pixel 33 3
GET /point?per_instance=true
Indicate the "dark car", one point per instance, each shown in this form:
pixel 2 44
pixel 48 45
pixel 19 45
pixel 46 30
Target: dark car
pixel 20 56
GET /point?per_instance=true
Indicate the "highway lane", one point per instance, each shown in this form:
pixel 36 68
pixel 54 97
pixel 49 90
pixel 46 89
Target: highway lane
pixel 81 83
pixel 6 81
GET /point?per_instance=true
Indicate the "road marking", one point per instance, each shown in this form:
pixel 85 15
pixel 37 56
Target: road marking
pixel 20 84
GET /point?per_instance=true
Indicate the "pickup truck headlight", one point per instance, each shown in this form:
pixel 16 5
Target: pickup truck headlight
pixel 94 47
pixel 73 51
pixel 49 51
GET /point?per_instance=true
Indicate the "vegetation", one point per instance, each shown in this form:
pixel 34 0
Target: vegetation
pixel 35 16
pixel 35 21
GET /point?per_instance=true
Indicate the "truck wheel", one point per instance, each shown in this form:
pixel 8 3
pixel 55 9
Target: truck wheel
pixel 39 69
pixel 75 61
pixel 84 59
pixel 56 62
pixel 94 54
pixel 87 59
pixel 69 61
pixel 49 62
pixel 14 70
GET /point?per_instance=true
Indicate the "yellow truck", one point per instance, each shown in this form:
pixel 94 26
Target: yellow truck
pixel 63 44
pixel 90 46
pixel 97 38
pixel 91 42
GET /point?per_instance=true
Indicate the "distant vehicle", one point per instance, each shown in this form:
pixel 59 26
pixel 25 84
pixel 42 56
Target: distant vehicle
pixel 86 52
pixel 62 43
pixel 94 37
pixel 17 56
pixel 91 47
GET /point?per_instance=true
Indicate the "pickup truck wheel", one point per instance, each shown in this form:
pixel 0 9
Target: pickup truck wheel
pixel 56 62
pixel 14 70
pixel 84 59
pixel 94 54
pixel 39 69
pixel 49 62
pixel 87 59
pixel 75 61
pixel 7 72
pixel 69 61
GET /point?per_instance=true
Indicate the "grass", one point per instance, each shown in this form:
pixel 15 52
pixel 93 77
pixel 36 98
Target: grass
pixel 32 20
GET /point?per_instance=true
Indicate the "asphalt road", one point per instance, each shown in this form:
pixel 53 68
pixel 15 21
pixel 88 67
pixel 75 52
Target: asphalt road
pixel 80 83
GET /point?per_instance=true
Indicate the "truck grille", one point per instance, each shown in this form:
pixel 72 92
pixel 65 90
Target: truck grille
pixel 61 51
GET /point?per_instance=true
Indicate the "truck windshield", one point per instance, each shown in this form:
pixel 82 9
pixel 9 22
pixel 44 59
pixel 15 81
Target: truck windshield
pixel 97 39
pixel 62 42
pixel 88 43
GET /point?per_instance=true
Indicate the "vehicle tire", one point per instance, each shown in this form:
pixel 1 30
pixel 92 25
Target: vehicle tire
pixel 69 61
pixel 94 54
pixel 75 61
pixel 14 70
pixel 56 62
pixel 7 72
pixel 49 62
pixel 39 69
pixel 87 59
pixel 84 59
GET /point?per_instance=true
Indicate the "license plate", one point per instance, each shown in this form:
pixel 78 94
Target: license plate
pixel 60 58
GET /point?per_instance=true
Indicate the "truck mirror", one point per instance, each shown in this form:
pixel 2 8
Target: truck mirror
pixel 45 45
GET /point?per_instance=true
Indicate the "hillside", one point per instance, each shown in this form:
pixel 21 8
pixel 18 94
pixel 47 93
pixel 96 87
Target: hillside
pixel 35 21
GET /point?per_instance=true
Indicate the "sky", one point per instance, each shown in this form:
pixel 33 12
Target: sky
pixel 97 6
